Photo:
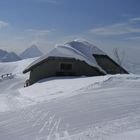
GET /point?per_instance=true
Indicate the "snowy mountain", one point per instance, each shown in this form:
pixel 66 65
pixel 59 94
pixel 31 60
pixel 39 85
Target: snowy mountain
pixel 31 52
pixel 2 53
pixel 10 57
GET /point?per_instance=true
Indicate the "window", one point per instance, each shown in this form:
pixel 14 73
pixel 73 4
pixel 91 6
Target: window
pixel 65 66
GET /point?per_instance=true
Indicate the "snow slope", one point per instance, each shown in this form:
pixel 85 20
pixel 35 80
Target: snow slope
pixel 130 135
pixel 9 85
pixel 84 108
pixel 15 67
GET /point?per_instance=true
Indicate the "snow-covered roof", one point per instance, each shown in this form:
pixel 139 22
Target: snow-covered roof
pixel 72 50
pixel 85 47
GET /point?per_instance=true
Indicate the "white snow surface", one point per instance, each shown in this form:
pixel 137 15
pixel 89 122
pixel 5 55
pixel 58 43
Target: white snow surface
pixel 68 108
pixel 130 135
pixel 81 51
pixel 85 47
pixel 15 67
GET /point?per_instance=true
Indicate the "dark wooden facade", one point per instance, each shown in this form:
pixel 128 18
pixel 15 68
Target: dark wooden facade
pixel 109 65
pixel 60 66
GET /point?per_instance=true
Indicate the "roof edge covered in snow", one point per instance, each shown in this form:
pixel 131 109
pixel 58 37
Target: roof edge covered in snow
pixel 85 47
pixel 68 52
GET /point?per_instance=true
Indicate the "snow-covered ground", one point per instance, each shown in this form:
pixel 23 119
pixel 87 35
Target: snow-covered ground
pixel 131 135
pixel 82 108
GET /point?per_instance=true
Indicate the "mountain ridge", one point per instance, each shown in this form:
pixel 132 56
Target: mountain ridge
pixel 31 52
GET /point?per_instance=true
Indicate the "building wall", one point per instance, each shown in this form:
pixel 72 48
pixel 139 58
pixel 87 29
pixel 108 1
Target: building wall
pixel 110 66
pixel 52 67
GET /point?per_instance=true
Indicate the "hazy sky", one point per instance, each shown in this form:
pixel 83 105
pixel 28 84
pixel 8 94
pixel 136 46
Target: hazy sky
pixel 106 23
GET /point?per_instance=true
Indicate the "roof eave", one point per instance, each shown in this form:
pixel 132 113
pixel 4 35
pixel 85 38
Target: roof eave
pixel 25 71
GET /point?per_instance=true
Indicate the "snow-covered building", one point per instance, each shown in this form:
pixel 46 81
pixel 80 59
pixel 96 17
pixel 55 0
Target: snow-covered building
pixel 102 59
pixel 75 58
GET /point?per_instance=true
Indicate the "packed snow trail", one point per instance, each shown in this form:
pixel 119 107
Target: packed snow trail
pixel 95 108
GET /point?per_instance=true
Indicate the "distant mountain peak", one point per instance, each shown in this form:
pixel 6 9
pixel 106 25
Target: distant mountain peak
pixel 33 46
pixel 10 57
pixel 2 53
pixel 31 52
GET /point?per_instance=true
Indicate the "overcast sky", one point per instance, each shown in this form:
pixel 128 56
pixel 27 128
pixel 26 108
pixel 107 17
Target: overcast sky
pixel 106 23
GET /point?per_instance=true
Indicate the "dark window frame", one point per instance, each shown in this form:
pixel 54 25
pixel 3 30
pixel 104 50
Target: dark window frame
pixel 65 66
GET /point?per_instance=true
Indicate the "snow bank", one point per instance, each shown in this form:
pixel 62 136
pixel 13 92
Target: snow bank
pixel 64 87
pixel 53 88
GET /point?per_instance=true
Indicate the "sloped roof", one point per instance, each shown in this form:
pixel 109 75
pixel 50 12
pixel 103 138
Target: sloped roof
pixel 75 49
pixel 85 47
